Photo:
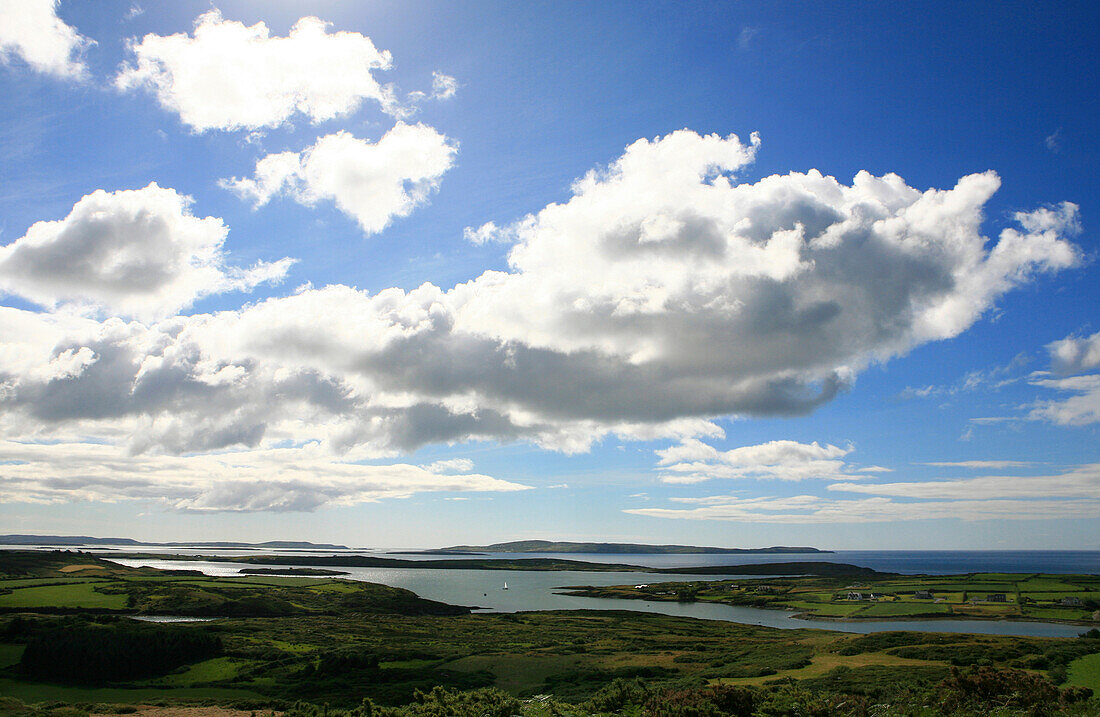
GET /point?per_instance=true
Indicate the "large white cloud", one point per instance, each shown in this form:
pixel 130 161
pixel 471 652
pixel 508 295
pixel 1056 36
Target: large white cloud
pixel 32 31
pixel 137 253
pixel 372 182
pixel 659 296
pixel 230 76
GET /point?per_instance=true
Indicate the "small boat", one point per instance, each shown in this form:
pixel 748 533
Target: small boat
pixel 505 586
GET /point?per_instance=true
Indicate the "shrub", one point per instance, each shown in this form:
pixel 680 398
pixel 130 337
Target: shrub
pixel 987 687
pixel 96 654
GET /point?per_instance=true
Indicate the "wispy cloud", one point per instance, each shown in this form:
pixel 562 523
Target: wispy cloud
pixel 1053 141
pixel 288 479
pixel 993 378
pixel 1073 493
pixel 1081 482
pixel 746 37
pixel 819 511
pixel 980 465
pixel 693 461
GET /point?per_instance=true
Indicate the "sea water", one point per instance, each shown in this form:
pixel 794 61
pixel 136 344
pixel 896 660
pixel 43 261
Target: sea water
pixel 540 590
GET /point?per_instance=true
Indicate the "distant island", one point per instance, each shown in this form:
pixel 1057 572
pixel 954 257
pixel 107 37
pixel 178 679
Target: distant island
pixel 547 546
pixel 300 572
pixel 76 540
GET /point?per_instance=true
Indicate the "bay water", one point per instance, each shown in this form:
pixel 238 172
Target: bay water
pixel 535 590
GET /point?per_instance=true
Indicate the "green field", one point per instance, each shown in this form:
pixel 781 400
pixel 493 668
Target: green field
pixel 826 609
pixel 1026 596
pixel 1085 672
pixel 31 582
pixel 218 669
pixel 902 609
pixel 10 654
pixel 73 595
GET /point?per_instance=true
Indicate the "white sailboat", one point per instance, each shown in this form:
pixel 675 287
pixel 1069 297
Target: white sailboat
pixel 506 586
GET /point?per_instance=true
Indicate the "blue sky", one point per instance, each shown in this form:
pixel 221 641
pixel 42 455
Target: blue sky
pixel 424 273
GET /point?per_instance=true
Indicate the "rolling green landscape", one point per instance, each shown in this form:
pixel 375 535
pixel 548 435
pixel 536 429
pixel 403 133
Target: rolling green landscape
pixel 310 645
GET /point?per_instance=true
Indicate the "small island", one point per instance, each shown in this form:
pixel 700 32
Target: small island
pixel 301 572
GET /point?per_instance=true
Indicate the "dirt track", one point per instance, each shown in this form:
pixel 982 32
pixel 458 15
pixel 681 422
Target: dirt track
pixel 151 711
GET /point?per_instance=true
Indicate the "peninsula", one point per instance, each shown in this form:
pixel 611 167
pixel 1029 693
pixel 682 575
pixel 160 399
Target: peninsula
pixel 548 546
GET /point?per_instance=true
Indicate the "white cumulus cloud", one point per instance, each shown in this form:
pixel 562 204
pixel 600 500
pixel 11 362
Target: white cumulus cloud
pixel 1075 354
pixel 137 253
pixel 230 76
pixel 372 182
pixel 1071 360
pixel 661 295
pixel 32 31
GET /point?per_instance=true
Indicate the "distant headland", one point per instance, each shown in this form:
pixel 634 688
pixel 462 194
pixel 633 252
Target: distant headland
pixel 548 546
pixel 78 540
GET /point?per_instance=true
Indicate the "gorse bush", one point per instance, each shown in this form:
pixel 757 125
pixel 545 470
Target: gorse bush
pixel 988 688
pixel 981 692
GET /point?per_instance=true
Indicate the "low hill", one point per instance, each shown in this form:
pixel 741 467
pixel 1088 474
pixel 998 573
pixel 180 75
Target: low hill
pixel 81 540
pixel 72 582
pixel 819 568
pixel 547 546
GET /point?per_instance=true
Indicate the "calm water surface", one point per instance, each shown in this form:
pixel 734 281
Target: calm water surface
pixel 528 590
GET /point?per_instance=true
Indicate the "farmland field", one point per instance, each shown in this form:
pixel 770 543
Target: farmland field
pixel 76 595
pixel 974 596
